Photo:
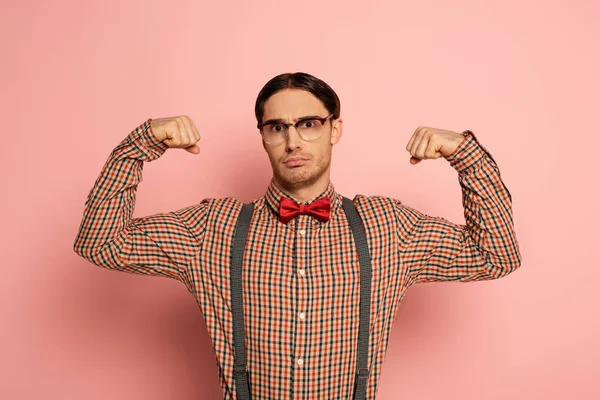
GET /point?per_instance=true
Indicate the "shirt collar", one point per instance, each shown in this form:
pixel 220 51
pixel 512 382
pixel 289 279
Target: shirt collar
pixel 274 194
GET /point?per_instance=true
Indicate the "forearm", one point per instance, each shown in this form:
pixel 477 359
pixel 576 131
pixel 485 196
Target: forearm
pixel 487 208
pixel 110 204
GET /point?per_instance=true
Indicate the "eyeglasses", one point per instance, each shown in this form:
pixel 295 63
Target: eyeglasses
pixel 309 129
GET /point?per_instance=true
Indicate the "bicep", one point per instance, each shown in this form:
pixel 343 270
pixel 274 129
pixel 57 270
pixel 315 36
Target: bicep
pixel 435 249
pixel 161 244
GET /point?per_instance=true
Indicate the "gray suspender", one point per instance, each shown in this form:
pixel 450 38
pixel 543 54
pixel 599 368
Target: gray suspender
pixel 237 307
pixel 364 259
pixel 240 372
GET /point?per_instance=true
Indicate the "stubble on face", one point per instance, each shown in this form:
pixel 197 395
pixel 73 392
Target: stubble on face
pixel 293 178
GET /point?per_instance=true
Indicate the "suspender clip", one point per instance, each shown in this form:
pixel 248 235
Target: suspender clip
pixel 239 370
pixel 362 373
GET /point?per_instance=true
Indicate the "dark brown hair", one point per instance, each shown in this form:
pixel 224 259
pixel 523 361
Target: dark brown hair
pixel 298 80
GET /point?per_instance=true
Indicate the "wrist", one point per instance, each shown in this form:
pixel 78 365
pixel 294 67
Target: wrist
pixel 457 140
pixel 467 154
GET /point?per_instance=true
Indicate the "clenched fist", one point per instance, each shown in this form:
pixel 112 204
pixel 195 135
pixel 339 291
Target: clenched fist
pixel 177 132
pixel 429 142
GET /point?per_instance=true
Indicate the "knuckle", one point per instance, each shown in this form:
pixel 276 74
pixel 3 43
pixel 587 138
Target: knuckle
pixel 172 126
pixel 180 127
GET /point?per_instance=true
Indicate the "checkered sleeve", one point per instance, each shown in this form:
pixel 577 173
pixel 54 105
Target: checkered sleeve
pixel 161 244
pixel 485 248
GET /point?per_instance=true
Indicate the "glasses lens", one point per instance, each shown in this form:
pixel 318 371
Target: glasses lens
pixel 310 129
pixel 274 133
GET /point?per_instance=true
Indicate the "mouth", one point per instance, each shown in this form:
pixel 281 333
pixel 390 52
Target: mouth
pixel 295 161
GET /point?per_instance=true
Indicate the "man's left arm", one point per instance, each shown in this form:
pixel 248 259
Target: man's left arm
pixel 486 247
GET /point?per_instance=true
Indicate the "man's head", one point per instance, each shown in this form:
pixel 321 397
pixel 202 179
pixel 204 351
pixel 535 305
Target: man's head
pixel 299 162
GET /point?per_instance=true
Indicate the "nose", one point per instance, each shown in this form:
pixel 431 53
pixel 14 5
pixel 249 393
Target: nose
pixel 292 140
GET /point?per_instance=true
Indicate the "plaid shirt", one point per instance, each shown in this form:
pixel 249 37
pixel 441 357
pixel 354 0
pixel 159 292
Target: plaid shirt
pixel 300 279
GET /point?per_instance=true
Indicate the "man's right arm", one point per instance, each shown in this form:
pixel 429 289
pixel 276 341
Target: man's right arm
pixel 161 244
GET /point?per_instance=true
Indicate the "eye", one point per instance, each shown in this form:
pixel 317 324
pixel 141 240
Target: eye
pixel 309 124
pixel 277 127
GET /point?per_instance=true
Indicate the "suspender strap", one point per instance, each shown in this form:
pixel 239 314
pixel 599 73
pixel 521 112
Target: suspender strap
pixel 240 371
pixel 360 240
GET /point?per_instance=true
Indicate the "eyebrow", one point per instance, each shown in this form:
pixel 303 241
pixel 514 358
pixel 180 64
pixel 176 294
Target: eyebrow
pixel 280 120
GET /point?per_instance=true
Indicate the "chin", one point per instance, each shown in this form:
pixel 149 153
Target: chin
pixel 297 178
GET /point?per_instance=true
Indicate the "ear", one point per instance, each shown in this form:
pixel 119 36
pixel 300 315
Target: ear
pixel 336 131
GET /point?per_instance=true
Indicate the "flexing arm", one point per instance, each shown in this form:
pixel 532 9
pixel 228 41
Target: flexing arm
pixel 485 247
pixel 161 244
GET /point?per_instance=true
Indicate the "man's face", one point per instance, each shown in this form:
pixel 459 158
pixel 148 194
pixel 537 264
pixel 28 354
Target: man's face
pixel 298 163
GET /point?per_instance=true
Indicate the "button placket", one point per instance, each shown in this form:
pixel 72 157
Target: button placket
pixel 302 290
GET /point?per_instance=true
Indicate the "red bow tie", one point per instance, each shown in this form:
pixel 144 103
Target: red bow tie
pixel 319 209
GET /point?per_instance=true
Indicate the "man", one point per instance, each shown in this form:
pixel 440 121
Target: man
pixel 301 269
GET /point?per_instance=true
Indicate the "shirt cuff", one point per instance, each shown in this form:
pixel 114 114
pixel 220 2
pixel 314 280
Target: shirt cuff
pixel 467 154
pixel 146 142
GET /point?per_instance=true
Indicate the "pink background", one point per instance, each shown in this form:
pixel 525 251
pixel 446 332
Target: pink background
pixel 77 77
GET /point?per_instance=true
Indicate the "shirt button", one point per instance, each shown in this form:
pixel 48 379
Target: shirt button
pixel 300 361
pixel 302 232
pixel 302 316
pixel 301 271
